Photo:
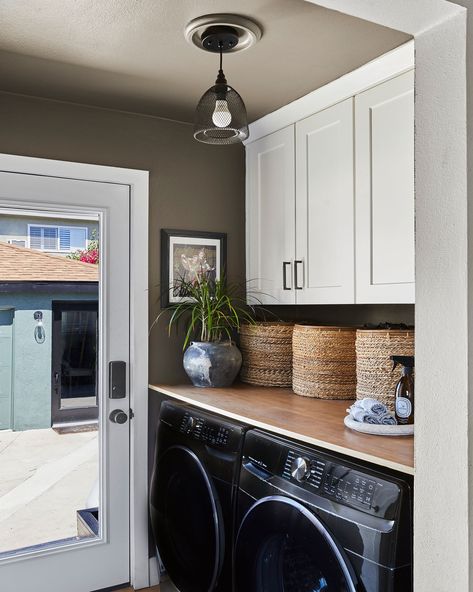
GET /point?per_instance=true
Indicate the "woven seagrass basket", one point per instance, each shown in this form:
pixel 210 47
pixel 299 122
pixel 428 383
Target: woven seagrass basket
pixel 374 348
pixel 324 362
pixel 266 349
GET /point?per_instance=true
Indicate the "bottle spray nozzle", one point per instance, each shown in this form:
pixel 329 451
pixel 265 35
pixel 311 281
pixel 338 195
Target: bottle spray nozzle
pixel 407 362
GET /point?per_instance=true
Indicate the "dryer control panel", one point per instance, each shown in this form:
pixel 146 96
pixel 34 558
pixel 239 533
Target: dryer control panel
pixel 206 428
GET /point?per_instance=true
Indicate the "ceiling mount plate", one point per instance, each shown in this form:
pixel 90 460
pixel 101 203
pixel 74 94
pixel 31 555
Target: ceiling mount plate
pixel 220 38
pixel 235 32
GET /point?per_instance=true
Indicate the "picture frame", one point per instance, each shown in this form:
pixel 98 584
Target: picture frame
pixel 185 253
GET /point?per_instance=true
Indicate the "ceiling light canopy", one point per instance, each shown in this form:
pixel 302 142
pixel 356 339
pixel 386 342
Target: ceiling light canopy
pixel 220 116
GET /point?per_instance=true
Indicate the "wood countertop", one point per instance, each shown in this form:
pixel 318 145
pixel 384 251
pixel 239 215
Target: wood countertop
pixel 313 421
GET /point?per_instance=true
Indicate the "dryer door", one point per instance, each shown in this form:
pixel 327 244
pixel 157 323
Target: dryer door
pixel 187 520
pixel 283 547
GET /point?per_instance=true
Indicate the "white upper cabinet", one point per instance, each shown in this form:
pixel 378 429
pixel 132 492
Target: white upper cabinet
pixel 270 217
pixel 384 148
pixel 325 251
pixel 330 197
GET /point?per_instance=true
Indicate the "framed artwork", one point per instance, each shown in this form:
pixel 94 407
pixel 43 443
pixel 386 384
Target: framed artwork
pixel 187 254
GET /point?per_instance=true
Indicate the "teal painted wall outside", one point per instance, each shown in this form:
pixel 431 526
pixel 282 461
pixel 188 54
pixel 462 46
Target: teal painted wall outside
pixel 31 382
pixel 6 368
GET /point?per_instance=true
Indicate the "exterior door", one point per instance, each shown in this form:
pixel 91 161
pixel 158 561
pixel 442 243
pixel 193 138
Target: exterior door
pixel 6 368
pixel 75 342
pixel 270 217
pixel 99 557
pixel 325 248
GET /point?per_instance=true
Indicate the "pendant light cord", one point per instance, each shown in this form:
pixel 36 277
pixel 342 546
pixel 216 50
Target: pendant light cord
pixel 221 76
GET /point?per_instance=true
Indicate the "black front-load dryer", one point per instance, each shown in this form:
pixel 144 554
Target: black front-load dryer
pixel 193 496
pixel 310 521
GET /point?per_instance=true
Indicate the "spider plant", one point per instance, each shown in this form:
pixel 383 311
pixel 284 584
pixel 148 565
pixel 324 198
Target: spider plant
pixel 211 310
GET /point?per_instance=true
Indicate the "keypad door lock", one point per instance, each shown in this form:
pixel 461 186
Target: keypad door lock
pixel 118 416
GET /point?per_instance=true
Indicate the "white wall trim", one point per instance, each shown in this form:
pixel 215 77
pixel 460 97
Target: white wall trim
pixel 383 68
pixel 137 181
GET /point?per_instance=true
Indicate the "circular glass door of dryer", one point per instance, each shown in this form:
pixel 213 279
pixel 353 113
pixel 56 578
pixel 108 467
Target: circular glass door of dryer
pixel 283 547
pixel 186 520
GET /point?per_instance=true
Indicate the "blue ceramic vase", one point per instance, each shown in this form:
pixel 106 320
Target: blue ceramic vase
pixel 212 364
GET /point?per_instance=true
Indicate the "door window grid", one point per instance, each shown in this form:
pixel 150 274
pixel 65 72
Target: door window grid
pixel 57 238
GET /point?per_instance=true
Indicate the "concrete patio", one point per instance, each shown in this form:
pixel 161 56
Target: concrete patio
pixel 44 478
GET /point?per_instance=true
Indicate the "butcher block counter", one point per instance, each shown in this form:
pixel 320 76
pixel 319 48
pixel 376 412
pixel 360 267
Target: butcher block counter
pixel 313 421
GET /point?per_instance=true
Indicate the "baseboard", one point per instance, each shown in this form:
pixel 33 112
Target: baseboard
pixel 154 572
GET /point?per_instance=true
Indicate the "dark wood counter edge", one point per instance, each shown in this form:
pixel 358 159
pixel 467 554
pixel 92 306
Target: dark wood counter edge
pixel 377 460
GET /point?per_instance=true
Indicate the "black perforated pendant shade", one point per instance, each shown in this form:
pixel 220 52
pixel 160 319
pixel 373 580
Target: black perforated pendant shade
pixel 220 117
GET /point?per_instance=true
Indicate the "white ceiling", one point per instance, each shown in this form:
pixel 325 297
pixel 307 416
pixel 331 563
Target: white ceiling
pixel 132 55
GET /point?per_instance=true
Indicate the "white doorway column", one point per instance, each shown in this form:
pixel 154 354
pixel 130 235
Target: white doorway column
pixel 443 522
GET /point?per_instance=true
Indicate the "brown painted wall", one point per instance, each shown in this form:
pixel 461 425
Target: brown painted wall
pixel 346 314
pixel 192 186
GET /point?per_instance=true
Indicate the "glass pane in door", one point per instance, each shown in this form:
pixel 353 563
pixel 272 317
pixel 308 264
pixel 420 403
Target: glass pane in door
pixel 50 390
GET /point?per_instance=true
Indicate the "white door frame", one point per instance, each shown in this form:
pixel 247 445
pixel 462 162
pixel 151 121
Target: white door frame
pixel 443 503
pixel 137 181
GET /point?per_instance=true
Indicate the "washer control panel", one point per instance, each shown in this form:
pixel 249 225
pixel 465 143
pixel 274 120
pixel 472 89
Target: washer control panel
pixel 346 485
pixel 333 481
pixel 318 477
pixel 206 431
pixel 304 469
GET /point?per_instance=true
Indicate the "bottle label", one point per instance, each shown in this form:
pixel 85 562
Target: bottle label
pixel 403 407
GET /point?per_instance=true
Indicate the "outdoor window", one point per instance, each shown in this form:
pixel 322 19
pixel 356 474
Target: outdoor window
pixel 57 238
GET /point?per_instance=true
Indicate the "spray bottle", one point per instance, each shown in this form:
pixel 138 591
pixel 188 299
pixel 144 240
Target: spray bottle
pixel 404 405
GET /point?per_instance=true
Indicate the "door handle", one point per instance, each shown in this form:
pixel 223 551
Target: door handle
pixel 118 416
pixel 284 275
pixel 296 283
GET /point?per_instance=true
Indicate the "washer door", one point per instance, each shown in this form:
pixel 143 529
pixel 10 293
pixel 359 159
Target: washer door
pixel 187 521
pixel 283 547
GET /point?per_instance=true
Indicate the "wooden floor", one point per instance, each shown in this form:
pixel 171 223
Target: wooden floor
pixel 153 589
pixel 165 587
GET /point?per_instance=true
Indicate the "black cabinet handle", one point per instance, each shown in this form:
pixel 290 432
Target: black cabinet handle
pixel 296 283
pixel 284 276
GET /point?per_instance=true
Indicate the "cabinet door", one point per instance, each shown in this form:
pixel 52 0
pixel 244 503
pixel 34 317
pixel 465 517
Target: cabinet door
pixel 384 145
pixel 324 267
pixel 270 212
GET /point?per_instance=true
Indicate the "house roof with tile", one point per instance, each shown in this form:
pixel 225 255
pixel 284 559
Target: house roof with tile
pixel 18 264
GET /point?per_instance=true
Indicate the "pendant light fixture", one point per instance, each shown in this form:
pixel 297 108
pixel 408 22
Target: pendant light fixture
pixel 220 116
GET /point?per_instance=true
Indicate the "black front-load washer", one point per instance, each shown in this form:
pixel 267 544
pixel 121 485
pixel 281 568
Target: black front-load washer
pixel 193 496
pixel 310 521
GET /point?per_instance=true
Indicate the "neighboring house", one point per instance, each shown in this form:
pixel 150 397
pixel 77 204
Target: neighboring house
pixel 48 339
pixel 50 235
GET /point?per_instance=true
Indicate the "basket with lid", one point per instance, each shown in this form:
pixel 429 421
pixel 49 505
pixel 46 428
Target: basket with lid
pixel 374 367
pixel 324 362
pixel 266 349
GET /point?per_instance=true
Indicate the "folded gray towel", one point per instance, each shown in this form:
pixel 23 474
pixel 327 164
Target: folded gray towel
pixel 372 418
pixel 388 419
pixel 372 412
pixel 357 413
pixel 372 406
